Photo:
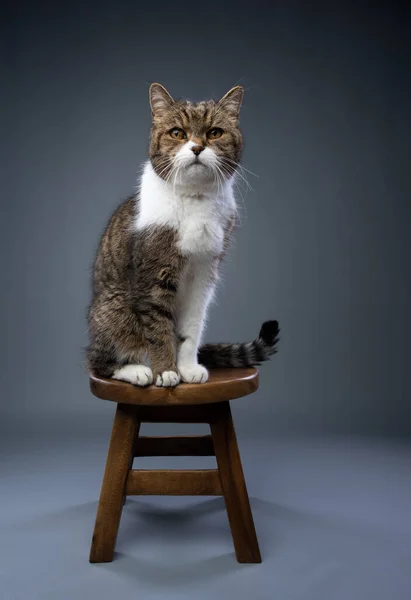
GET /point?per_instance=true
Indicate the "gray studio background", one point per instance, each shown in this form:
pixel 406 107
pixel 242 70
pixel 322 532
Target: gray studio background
pixel 324 247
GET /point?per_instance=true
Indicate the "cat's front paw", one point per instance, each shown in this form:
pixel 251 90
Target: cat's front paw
pixel 193 373
pixel 168 379
pixel 135 374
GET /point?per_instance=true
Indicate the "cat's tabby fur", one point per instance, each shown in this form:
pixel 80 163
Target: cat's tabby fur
pixel 157 262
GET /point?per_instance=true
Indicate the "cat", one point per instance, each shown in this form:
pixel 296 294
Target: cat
pixel 157 263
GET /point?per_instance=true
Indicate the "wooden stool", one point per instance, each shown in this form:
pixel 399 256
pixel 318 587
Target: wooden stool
pixel 186 403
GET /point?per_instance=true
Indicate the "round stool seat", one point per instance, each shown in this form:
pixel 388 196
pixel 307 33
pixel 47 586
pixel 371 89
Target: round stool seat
pixel 223 384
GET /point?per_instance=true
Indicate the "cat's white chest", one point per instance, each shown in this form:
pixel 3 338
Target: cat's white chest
pixel 198 220
pixel 199 230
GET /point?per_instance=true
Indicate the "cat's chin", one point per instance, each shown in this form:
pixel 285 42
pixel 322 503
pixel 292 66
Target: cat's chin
pixel 196 172
pixel 197 166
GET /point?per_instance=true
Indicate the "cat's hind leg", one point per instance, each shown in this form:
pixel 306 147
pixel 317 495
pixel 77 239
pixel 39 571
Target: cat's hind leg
pixel 117 349
pixel 136 374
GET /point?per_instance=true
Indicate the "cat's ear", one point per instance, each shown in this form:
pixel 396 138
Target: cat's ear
pixel 231 102
pixel 160 99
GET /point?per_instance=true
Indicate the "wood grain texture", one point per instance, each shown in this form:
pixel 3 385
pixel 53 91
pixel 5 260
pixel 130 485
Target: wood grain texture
pixel 233 485
pixel 223 384
pixel 120 453
pixel 183 445
pixel 205 482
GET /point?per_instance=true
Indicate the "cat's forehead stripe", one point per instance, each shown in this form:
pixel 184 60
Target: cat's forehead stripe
pixel 198 116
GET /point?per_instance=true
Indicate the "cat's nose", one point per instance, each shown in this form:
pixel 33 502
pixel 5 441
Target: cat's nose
pixel 197 150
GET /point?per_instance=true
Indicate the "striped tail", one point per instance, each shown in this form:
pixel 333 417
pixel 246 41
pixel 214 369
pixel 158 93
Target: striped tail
pixel 248 354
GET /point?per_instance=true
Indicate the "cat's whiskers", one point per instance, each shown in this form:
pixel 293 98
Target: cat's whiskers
pixel 178 167
pixel 220 177
pixel 164 170
pixel 228 169
pixel 163 164
pixel 225 162
pixel 238 165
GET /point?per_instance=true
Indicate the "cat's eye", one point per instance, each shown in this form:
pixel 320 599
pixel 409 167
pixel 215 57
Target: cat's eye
pixel 215 133
pixel 178 133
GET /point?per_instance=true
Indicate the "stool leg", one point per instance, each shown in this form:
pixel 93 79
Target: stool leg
pixel 125 428
pixel 133 454
pixel 233 485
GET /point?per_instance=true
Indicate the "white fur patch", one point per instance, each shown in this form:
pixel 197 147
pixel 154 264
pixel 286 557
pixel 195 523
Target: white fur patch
pixel 193 374
pixel 135 374
pixel 168 379
pixel 193 300
pixel 197 211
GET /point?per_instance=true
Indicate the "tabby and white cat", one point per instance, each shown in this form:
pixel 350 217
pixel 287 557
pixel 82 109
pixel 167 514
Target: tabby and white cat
pixel 157 263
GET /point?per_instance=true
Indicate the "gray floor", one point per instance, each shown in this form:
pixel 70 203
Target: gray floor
pixel 333 517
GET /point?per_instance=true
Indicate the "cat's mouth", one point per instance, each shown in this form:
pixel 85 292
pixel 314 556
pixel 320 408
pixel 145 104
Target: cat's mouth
pixel 196 170
pixel 197 163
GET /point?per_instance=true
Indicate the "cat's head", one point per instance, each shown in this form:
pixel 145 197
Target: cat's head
pixel 195 143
